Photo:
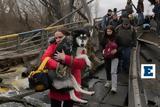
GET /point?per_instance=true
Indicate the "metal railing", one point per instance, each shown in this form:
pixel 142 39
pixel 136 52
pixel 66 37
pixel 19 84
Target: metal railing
pixel 134 89
pixel 29 43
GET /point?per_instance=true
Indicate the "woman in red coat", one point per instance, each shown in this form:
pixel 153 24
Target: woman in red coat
pixel 62 98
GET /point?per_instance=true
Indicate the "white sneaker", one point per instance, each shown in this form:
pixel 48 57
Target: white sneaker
pixel 107 84
pixel 114 90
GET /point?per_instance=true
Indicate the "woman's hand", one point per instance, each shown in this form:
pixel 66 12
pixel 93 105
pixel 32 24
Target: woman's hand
pixel 114 51
pixel 59 56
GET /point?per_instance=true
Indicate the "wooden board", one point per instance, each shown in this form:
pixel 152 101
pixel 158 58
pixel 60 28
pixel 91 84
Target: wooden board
pixel 118 98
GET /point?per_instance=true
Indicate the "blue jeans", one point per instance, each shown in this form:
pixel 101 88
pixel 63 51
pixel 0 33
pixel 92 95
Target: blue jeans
pixel 124 63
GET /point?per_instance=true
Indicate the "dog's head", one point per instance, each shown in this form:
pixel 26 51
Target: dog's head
pixel 80 37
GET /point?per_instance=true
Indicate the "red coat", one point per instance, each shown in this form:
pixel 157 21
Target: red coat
pixel 77 66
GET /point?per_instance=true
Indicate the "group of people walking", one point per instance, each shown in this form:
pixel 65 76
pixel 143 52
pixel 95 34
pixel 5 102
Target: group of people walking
pixel 121 31
pixel 123 34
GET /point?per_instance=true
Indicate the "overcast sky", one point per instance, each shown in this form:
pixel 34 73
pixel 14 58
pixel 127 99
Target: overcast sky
pixel 104 5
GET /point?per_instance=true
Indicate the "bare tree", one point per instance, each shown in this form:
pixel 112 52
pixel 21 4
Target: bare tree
pixel 27 14
pixel 96 8
pixel 53 9
pixel 67 7
pixel 56 9
pixel 31 14
pixel 31 10
pixel 6 15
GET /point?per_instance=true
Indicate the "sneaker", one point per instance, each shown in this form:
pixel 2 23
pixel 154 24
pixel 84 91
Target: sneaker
pixel 114 90
pixel 107 84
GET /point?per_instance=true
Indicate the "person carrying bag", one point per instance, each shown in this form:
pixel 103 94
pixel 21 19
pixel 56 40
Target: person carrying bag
pixel 59 98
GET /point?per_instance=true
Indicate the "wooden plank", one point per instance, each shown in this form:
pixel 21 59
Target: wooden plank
pixel 123 78
pixel 3 53
pixel 145 55
pixel 90 104
pixel 42 96
pixel 119 98
pixel 100 93
pixel 157 100
pixel 152 98
pixel 134 81
pixel 149 42
pixel 107 105
pixel 93 104
pixel 16 55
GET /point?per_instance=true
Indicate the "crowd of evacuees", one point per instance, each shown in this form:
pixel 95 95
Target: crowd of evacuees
pixel 120 37
pixel 118 40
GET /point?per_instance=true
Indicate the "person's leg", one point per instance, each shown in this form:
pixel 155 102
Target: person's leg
pixel 108 69
pixel 108 73
pixel 126 63
pixel 55 103
pixel 123 59
pixel 114 65
pixel 68 103
pixel 158 27
pixel 120 64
